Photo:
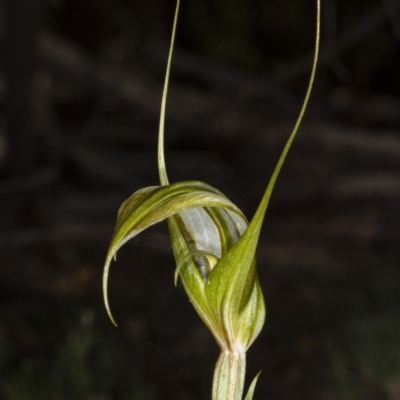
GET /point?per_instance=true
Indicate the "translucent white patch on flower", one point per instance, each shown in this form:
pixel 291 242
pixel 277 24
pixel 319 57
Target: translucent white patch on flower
pixel 210 232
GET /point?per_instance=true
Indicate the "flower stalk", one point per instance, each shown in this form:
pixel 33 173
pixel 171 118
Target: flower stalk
pixel 214 247
pixel 229 374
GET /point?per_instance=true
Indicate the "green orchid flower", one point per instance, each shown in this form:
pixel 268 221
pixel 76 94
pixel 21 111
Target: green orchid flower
pixel 214 247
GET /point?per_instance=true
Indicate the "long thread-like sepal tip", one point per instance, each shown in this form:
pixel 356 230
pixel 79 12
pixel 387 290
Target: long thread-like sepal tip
pixel 161 158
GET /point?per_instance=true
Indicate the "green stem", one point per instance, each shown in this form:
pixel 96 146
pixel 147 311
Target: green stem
pixel 229 375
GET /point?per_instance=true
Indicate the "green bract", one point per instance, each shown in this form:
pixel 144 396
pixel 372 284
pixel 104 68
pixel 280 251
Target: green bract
pixel 214 248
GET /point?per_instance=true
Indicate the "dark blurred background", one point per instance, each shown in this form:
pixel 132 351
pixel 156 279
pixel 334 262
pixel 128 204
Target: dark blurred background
pixel 80 90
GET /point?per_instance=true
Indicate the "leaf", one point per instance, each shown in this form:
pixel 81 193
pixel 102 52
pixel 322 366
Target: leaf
pixel 250 393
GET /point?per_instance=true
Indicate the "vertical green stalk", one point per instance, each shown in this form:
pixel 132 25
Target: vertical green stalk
pixel 229 375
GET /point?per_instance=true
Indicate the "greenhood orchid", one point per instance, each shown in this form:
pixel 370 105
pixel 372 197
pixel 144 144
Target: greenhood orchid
pixel 214 247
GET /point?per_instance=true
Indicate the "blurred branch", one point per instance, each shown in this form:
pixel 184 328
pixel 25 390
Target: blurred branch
pixel 222 75
pixel 330 38
pixel 23 20
pixel 100 166
pixel 350 38
pixel 392 12
pixel 76 233
pixel 72 64
pixel 241 88
pixel 68 62
pixel 31 181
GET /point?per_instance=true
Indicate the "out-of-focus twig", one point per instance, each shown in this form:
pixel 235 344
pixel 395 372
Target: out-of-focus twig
pixel 392 12
pixel 354 35
pixel 72 64
pixel 21 29
pixel 330 39
pixel 76 233
pixel 100 166
pixel 66 61
pixel 31 181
